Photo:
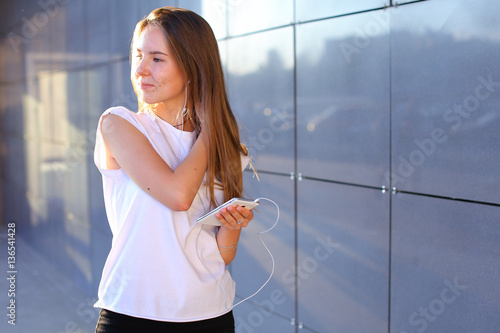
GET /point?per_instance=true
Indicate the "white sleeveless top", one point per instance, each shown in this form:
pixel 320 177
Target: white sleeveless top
pixel 152 270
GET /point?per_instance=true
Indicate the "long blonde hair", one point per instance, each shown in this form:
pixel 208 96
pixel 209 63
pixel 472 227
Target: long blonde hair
pixel 195 49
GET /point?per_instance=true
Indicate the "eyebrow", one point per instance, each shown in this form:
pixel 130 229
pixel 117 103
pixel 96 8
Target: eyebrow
pixel 153 52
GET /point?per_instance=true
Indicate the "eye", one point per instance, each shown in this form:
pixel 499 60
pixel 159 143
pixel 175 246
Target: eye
pixel 157 59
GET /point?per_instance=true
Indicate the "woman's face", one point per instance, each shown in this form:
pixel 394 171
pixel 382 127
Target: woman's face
pixel 155 74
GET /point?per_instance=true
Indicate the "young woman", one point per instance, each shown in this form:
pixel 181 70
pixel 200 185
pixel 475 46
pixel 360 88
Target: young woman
pixel 163 167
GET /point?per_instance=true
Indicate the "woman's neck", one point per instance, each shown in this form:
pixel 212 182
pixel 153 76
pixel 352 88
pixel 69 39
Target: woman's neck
pixel 174 116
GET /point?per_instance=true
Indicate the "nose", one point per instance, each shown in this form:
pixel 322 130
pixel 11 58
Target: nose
pixel 142 68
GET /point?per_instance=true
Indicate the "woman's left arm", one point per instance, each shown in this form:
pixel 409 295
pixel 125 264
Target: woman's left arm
pixel 233 218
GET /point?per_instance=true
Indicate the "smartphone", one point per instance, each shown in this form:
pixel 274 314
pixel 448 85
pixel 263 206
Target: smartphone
pixel 210 218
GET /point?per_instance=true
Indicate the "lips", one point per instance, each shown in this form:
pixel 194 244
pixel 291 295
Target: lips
pixel 143 85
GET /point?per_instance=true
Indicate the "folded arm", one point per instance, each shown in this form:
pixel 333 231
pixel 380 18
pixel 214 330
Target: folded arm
pixel 129 149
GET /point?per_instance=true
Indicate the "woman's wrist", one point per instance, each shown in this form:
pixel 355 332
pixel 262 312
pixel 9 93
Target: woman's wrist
pixel 227 240
pixel 227 249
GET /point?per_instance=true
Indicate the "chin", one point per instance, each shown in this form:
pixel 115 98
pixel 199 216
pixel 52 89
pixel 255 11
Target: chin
pixel 149 100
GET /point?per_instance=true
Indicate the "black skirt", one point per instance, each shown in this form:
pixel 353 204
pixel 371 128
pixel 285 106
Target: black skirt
pixel 112 322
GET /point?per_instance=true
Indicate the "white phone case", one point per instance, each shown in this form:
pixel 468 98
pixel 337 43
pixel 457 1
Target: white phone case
pixel 210 219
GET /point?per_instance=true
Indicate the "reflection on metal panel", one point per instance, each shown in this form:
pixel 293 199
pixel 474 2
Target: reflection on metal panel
pixel 343 257
pixel 278 297
pixel 250 16
pixel 260 82
pixel 317 9
pixel 445 97
pixel 343 91
pixel 445 266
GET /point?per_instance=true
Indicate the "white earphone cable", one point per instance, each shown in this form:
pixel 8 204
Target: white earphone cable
pixel 265 246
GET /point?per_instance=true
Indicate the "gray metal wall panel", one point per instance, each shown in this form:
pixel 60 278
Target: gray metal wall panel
pixel 317 9
pixel 445 266
pixel 252 265
pixel 343 98
pixel 260 82
pixel 445 96
pixel 343 258
pixel 249 16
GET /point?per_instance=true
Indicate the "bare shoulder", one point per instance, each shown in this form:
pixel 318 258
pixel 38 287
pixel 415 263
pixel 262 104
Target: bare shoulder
pixel 123 141
pixel 113 125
